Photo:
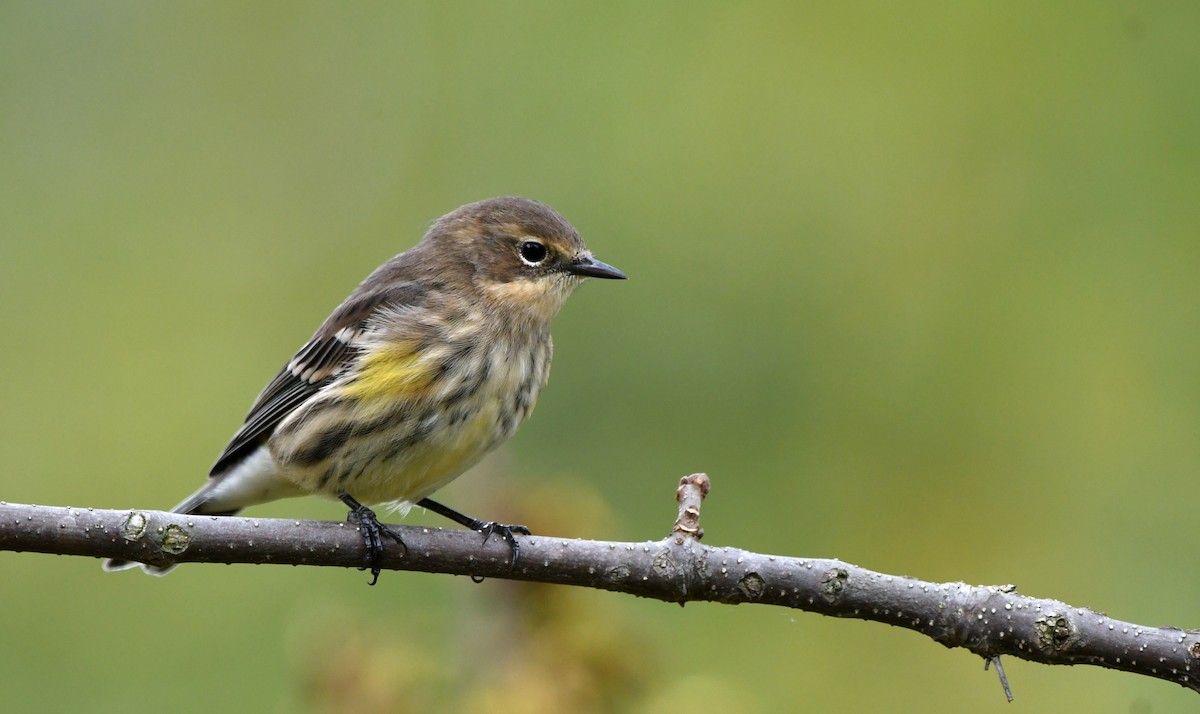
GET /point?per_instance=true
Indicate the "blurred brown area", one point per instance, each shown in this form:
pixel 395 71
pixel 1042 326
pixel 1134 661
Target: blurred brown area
pixel 525 647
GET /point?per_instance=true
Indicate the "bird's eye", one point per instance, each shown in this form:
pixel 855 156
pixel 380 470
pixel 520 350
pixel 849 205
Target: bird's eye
pixel 532 252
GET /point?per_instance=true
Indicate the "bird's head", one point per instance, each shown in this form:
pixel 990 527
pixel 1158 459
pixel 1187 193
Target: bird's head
pixel 521 255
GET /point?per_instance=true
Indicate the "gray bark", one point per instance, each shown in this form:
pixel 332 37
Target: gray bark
pixel 987 620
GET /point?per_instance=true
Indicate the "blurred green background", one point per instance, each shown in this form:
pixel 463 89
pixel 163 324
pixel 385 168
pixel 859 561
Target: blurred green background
pixel 916 284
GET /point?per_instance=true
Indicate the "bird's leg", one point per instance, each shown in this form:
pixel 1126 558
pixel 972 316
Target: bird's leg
pixel 487 528
pixel 372 533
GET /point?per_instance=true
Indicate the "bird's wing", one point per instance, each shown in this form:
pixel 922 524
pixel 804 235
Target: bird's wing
pixel 331 350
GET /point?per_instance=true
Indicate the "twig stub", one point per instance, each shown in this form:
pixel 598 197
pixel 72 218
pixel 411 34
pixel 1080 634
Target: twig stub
pixel 690 494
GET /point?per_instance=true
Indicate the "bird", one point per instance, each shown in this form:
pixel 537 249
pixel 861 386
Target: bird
pixel 433 361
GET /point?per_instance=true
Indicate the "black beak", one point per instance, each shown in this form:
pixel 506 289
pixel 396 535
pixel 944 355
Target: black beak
pixel 591 268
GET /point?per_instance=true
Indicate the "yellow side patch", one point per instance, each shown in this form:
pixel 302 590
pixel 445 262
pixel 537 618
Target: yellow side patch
pixel 395 371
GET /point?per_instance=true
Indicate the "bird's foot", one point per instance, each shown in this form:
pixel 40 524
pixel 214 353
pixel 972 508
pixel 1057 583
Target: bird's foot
pixel 506 532
pixel 372 532
pixel 487 528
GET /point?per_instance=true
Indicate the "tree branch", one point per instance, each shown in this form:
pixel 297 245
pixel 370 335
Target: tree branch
pixel 989 621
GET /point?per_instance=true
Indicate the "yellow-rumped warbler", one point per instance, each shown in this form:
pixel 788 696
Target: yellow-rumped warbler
pixel 432 362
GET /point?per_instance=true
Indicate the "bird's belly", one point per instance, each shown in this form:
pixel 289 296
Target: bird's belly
pixel 408 454
pixel 427 465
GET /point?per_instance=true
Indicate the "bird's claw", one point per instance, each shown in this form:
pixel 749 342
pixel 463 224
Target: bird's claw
pixel 506 532
pixel 372 532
